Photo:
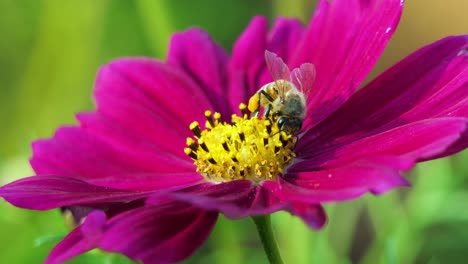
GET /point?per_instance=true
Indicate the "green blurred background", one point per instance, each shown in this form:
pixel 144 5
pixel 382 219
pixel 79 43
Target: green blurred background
pixel 51 50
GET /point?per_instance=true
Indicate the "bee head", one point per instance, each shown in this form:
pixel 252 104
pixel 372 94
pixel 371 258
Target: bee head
pixel 290 125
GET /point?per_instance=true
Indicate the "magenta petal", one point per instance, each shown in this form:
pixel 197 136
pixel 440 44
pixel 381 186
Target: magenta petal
pixel 415 141
pixel 312 214
pixel 374 174
pixel 195 53
pixel 282 40
pixel 248 71
pixel 81 154
pixel 284 36
pixel 80 240
pixel 48 192
pixel 149 181
pixel 146 90
pixel 124 136
pixel 430 83
pixel 71 246
pixel 235 199
pixel 158 234
pixel 248 61
pixel 155 237
pixel 136 142
pixel 344 41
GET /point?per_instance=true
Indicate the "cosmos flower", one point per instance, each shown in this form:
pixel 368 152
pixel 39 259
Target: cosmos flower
pixel 125 169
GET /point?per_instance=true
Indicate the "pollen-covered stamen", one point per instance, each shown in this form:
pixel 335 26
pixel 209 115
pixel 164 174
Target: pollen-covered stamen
pixel 243 109
pixel 192 144
pixel 268 126
pixel 189 152
pixel 250 148
pixel 202 144
pixel 242 136
pixel 210 123
pixel 195 129
pixel 225 146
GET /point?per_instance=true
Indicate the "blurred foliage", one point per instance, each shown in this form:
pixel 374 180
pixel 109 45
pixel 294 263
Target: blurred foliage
pixel 50 53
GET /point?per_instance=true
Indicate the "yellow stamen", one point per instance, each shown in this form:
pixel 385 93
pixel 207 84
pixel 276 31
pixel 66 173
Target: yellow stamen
pixel 250 148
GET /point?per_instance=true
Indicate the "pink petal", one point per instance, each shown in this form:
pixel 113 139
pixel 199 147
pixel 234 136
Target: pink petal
pixel 153 234
pixel 149 181
pixel 79 153
pixel 195 53
pixel 415 141
pixel 248 61
pixel 312 214
pixel 153 96
pixel 248 71
pixel 80 240
pixel 135 141
pixel 282 40
pixel 377 175
pixel 158 234
pixel 284 36
pixel 48 192
pixel 430 83
pixel 125 136
pixel 343 41
pixel 235 199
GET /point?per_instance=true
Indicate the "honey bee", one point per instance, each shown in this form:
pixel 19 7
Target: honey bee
pixel 284 99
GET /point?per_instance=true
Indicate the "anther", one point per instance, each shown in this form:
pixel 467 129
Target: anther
pixel 243 108
pixel 209 118
pixel 217 116
pixel 212 161
pixel 268 126
pixel 242 136
pixel 225 146
pixel 203 145
pixel 189 152
pixel 192 144
pixel 233 158
pixel 195 129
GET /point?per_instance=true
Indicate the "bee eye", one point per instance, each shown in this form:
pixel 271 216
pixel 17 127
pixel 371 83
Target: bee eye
pixel 281 121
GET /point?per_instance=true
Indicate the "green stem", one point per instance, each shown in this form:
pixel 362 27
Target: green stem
pixel 267 237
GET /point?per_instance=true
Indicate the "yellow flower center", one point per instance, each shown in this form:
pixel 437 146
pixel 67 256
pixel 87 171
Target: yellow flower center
pixel 250 148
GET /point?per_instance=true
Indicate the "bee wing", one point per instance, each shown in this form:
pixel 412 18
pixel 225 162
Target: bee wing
pixel 279 71
pixel 304 78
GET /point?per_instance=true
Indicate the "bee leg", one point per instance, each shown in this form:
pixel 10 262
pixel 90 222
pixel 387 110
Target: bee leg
pixel 255 102
pixel 267 111
pixel 266 95
pixel 254 105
